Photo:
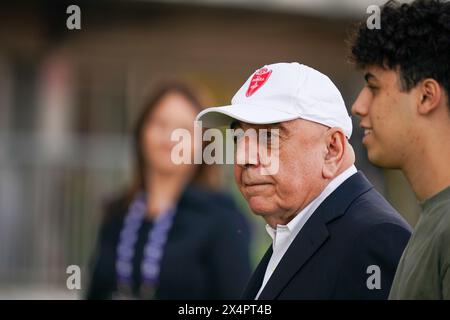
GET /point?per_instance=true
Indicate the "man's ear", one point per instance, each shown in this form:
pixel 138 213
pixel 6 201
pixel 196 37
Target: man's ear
pixel 336 143
pixel 430 95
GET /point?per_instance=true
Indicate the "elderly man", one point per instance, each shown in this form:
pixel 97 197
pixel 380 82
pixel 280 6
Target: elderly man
pixel 334 236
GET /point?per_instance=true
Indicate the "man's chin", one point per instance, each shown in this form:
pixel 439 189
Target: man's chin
pixel 260 205
pixel 381 160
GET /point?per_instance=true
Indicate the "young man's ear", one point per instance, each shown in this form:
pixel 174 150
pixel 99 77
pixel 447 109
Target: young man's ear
pixel 430 96
pixel 336 144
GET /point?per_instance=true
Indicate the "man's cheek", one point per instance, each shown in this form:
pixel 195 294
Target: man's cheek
pixel 287 187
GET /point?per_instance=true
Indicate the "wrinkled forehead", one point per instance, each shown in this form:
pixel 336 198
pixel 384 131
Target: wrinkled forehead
pixel 285 127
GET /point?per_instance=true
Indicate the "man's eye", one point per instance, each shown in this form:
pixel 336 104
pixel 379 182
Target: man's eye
pixel 269 138
pixel 372 88
pixel 266 137
pixel 273 134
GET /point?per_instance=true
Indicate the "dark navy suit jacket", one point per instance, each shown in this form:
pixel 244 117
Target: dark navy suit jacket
pixel 354 228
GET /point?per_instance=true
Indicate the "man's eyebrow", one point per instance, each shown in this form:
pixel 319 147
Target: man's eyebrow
pixel 280 126
pixel 368 76
pixel 235 124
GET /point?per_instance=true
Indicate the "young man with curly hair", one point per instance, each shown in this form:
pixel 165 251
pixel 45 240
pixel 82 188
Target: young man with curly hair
pixel 405 114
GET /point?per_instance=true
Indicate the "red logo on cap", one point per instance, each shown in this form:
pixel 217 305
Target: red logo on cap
pixel 259 78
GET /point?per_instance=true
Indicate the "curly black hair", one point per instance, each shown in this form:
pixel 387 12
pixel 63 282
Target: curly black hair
pixel 414 37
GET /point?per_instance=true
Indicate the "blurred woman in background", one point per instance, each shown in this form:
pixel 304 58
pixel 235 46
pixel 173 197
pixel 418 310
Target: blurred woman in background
pixel 170 236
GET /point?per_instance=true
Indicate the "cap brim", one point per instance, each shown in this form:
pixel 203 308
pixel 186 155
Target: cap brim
pixel 224 116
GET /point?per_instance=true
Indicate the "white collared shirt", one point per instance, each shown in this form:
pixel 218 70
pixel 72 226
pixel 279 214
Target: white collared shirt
pixel 283 235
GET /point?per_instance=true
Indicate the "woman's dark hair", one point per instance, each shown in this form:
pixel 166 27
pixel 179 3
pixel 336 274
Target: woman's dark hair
pixel 415 38
pixel 205 175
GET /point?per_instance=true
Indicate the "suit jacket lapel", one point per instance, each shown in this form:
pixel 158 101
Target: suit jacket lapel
pixel 313 234
pixel 256 280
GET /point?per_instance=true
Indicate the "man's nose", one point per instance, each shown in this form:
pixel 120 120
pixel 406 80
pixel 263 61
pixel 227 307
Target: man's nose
pixel 247 153
pixel 361 105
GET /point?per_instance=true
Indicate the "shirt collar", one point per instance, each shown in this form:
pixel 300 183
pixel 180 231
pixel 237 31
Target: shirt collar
pixel 436 199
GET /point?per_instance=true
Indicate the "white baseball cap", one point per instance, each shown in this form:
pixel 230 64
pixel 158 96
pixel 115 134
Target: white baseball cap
pixel 281 92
